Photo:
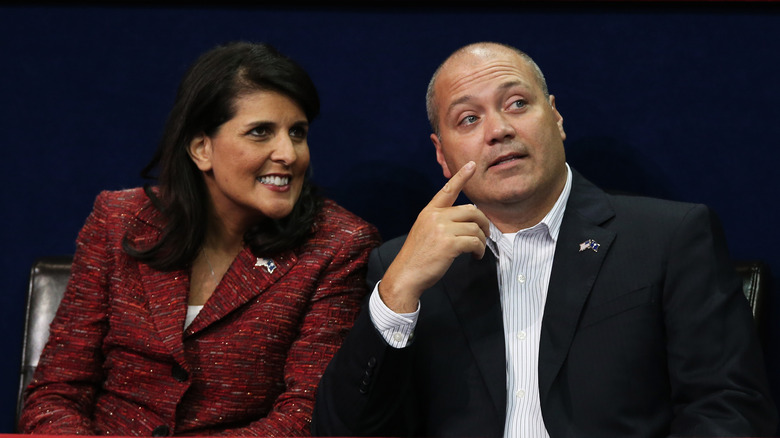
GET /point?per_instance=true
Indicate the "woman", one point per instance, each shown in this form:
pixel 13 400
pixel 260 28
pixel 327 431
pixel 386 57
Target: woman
pixel 211 303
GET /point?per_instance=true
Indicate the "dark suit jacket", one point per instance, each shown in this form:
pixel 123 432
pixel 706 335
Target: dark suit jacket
pixel 120 362
pixel 648 336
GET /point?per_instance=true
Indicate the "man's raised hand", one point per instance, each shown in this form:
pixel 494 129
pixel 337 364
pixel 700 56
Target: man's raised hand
pixel 440 233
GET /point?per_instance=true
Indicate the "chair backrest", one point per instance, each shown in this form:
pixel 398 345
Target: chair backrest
pixel 755 284
pixel 48 279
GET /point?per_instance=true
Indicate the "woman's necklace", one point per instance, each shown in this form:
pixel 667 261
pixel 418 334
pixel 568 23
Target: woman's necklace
pixel 211 268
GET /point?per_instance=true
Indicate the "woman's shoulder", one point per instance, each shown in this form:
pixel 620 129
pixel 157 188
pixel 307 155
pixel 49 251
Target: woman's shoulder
pixel 337 224
pixel 334 215
pixel 125 198
pixel 336 227
pixel 128 203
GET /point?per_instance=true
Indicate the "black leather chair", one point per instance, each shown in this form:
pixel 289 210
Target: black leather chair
pixel 49 276
pixel 756 286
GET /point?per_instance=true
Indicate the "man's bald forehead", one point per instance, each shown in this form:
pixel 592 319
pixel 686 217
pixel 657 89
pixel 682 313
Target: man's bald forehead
pixel 475 53
pixel 483 50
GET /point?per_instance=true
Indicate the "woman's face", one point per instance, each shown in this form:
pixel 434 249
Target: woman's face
pixel 254 165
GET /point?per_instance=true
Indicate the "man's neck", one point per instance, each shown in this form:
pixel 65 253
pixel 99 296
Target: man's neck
pixel 514 220
pixel 511 218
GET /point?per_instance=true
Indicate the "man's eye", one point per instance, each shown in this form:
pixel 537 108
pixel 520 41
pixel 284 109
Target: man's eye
pixel 468 120
pixel 519 103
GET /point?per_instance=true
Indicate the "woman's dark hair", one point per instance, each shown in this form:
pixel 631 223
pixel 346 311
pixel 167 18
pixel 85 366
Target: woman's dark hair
pixel 205 100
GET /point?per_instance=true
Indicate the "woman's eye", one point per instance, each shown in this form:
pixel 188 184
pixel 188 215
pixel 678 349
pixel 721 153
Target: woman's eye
pixel 260 131
pixel 298 132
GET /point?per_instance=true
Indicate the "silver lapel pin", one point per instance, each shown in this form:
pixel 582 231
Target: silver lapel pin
pixel 268 264
pixel 590 244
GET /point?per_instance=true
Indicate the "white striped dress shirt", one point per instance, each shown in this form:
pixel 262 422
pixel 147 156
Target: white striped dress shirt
pixel 524 265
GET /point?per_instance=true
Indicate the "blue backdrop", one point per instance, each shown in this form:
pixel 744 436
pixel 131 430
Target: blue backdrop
pixel 670 100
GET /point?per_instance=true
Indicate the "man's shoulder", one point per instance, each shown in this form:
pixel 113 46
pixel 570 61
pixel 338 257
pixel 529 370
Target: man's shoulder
pixel 651 207
pixel 585 196
pixel 631 211
pixel 392 246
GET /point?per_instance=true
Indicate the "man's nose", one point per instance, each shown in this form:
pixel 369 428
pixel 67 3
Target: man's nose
pixel 499 129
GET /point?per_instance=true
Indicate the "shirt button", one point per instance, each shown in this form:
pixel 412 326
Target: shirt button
pixel 521 278
pixel 398 337
pixel 520 393
pixel 521 335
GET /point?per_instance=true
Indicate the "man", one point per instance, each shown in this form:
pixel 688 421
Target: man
pixel 547 308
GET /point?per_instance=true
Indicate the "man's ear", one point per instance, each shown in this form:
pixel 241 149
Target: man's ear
pixel 558 117
pixel 440 156
pixel 200 151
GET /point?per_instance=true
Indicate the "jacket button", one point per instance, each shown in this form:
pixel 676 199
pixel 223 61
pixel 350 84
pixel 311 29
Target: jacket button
pixel 161 431
pixel 371 362
pixel 179 373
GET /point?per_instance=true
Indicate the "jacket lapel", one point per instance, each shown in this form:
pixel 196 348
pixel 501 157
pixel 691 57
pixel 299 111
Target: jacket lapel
pixel 246 278
pixel 166 291
pixel 166 294
pixel 575 269
pixel 472 287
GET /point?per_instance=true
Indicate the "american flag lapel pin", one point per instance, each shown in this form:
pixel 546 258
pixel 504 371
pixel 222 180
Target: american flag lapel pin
pixel 268 264
pixel 590 244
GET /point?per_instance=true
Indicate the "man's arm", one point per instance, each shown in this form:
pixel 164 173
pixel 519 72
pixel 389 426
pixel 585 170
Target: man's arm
pixel 719 384
pixel 440 233
pixel 367 388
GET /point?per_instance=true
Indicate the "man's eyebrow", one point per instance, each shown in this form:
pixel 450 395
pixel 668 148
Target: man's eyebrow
pixel 458 101
pixel 515 83
pixel 505 86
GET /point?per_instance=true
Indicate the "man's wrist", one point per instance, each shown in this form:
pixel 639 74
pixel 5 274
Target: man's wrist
pixel 396 329
pixel 397 296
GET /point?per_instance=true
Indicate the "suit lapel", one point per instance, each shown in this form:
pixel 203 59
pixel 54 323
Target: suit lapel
pixel 472 287
pixel 247 277
pixel 573 274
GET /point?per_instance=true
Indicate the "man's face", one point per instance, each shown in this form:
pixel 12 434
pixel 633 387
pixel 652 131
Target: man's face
pixel 493 111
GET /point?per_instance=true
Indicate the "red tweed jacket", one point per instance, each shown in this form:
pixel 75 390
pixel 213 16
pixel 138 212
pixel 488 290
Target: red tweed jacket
pixel 120 362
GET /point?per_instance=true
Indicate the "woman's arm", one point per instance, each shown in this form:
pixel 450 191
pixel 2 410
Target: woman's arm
pixel 60 398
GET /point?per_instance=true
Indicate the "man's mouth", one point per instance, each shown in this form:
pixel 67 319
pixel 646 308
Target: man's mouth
pixel 506 158
pixel 275 180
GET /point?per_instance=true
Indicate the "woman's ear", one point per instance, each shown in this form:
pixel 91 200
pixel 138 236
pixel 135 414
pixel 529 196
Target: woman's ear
pixel 200 152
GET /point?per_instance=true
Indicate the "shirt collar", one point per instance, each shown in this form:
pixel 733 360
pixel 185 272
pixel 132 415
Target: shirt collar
pixel 551 223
